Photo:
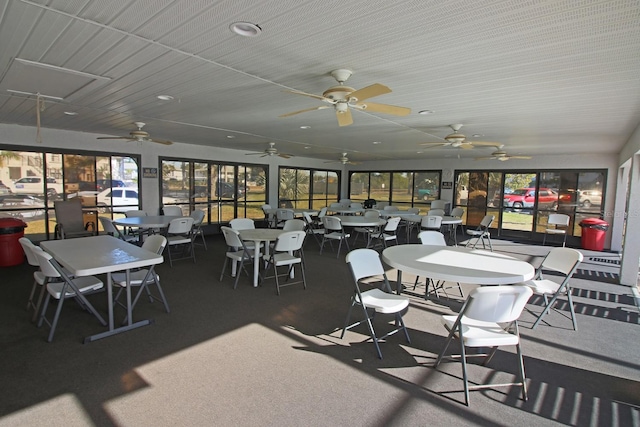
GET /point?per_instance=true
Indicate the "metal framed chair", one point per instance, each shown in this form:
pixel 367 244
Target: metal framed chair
pixel 60 286
pixel 333 230
pixel 237 252
pixel 70 220
pixel 39 278
pixel 283 215
pixel 268 216
pixel 312 228
pixel 481 233
pixel 286 252
pixel 435 212
pixel 435 238
pixel 179 236
pixel 366 231
pixel 143 278
pixel 109 227
pixel 389 232
pixel 172 210
pixel 557 224
pixel 198 218
pixel 564 261
pixel 431 222
pixel 365 264
pixel 488 318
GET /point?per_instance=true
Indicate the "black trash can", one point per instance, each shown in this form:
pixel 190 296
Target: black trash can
pixel 593 233
pixel 11 230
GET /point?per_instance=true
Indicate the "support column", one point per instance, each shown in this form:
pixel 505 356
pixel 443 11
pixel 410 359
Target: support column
pixel 631 243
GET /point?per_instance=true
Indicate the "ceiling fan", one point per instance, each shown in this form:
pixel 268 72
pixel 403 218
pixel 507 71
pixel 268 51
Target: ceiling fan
pixel 502 156
pixel 271 151
pixel 138 135
pixel 344 98
pixel 344 160
pixel 458 140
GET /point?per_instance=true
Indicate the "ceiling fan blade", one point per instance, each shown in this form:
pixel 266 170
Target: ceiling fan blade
pixel 521 157
pixel 320 97
pixel 466 146
pixel 483 143
pixel 344 118
pixel 375 89
pixel 285 156
pixel 435 144
pixel 161 141
pixel 383 108
pixel 252 154
pixel 322 107
pixel 116 137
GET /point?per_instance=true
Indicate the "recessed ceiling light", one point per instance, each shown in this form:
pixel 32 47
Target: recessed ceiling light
pixel 165 97
pixel 425 112
pixel 245 29
pixel 419 152
pixel 230 136
pixel 377 142
pixel 71 113
pixel 305 127
pixel 477 135
pixel 306 147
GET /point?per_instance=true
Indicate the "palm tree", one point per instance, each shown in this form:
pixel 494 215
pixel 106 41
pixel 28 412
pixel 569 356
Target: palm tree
pixel 5 156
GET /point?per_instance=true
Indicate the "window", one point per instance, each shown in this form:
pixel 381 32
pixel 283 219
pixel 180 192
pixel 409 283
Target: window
pixel 307 188
pixel 407 188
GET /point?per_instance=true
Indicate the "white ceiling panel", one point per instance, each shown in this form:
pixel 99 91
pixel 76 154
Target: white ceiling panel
pixel 540 77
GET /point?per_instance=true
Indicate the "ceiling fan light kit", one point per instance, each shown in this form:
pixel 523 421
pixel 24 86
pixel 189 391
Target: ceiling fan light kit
pixel 138 135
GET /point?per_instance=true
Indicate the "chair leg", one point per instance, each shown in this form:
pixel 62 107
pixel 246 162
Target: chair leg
pixel 523 378
pixel 571 309
pixel 463 359
pixel 346 322
pixel 224 267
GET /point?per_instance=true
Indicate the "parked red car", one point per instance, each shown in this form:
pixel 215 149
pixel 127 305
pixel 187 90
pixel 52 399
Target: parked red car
pixel 525 198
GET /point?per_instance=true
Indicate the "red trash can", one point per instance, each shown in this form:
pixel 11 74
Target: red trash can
pixel 593 233
pixel 11 230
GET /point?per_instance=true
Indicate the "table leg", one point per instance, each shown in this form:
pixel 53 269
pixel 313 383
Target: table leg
pixel 256 261
pixel 399 283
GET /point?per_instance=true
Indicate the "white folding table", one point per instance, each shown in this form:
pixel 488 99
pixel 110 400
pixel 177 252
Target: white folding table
pixel 258 236
pixel 457 264
pixel 89 256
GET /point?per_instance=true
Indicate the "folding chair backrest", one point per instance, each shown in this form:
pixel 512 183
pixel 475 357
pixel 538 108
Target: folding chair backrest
pixel 364 263
pixel 293 225
pixel 391 208
pixel 439 204
pixel 307 218
pixel 198 217
pixel 332 223
pixel 431 221
pixel 172 210
pixel 356 205
pixel 392 223
pixel 107 226
pixel 180 225
pixel 431 237
pixel 562 260
pixel 323 212
pixel 284 214
pixel 242 224
pixel 457 212
pixel 558 219
pixel 498 304
pixel 289 241
pixel 155 243
pixel 487 221
pixel 435 212
pixel 135 212
pixel 232 237
pixel 69 214
pixel 27 246
pixel 371 213
pixel 47 268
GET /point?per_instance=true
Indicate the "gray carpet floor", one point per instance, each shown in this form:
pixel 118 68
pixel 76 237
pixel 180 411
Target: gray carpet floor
pixel 226 357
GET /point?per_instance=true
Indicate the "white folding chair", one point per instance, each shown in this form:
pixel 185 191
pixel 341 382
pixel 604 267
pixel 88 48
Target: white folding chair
pixel 283 215
pixel 431 222
pixel 286 252
pixel 237 252
pixel 388 232
pixel 366 231
pixel 488 318
pixel 293 225
pixel 366 264
pixel 557 224
pixel 268 216
pixel 434 238
pixel 481 233
pixel 61 287
pixel 39 279
pixel 435 212
pixel 439 204
pixel 109 227
pixel 333 231
pixel 198 218
pixel 137 231
pixel 561 260
pixel 244 224
pixel 143 277
pixel 391 208
pixel 179 236
pixel 313 228
pixel 172 210
pixel 458 213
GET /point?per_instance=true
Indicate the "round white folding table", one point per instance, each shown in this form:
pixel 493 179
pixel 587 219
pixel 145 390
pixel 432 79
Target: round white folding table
pixel 258 236
pixel 346 211
pixel 359 221
pixel 457 264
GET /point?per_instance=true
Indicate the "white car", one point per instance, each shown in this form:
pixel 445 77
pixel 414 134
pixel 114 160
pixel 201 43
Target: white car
pixel 34 185
pixel 123 199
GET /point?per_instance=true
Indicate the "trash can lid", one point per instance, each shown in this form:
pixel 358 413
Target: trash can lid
pixel 12 223
pixel 593 221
